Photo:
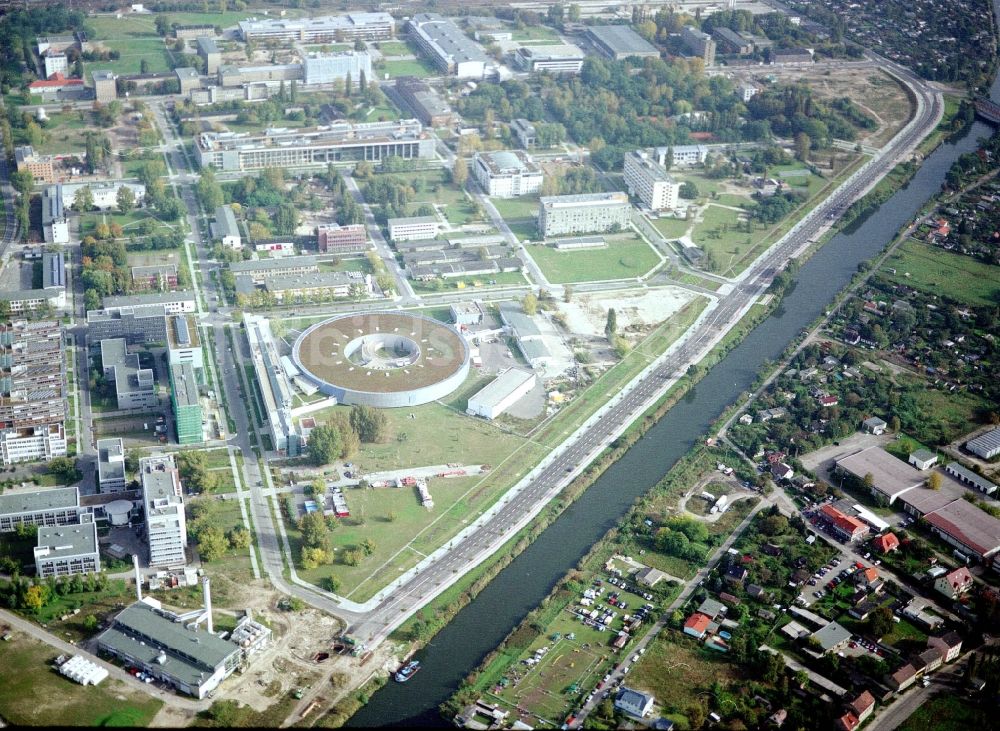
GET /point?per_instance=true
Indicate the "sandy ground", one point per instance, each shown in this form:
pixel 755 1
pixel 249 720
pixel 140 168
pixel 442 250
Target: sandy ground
pixel 588 314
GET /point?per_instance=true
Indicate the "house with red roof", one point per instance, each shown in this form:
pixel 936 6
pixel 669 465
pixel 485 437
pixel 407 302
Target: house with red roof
pixel 955 583
pixel 828 401
pixel 862 706
pixel 58 82
pixel 697 625
pixel 846 526
pixel 847 722
pixel 886 543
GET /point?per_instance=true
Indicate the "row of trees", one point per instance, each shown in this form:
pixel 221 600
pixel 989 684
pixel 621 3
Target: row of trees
pixel 342 435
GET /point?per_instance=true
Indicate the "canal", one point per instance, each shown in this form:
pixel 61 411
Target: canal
pixel 519 588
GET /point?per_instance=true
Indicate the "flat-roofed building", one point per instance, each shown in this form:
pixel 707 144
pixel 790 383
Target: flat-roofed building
pixel 105 86
pixel 968 528
pixel 413 227
pixel 225 228
pixel 564 58
pixel 584 213
pixel 173 303
pixel 503 392
pixel 22 301
pixel 137 324
pixel 424 101
pixel 699 44
pixel 507 173
pixel 275 388
pixel 56 44
pixel 986 445
pixel 56 506
pixel 447 46
pixel 328 285
pixel 32 391
pixel 55 226
pixel 184 342
pixel 163 503
pixel 64 550
pixel 186 403
pixel 103 194
pixel 261 269
pixel 890 477
pixel 337 239
pixel 208 51
pixel 161 277
pixel 41 167
pixel 231 76
pixel 969 478
pixel 110 465
pixel 327 68
pixel 526 133
pixel 325 29
pixel 339 142
pixel 729 41
pixel 135 387
pixel 55 63
pixel 682 155
pixel 620 41
pixel 188 78
pixel 650 182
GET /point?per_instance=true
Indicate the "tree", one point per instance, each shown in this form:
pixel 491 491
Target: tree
pixel 209 191
pixel 368 546
pixel 239 538
pixel 880 622
pixel 567 294
pixel 574 13
pixel 90 623
pixel 64 469
pixel 315 533
pixel 331 583
pixel 125 199
pixel 611 326
pixel 688 190
pixel 351 558
pixel 83 200
pixel 212 543
pixel 23 181
pixel 162 23
pixel 324 445
pixel 369 423
pixel 802 145
pixel 530 304
pixel 894 424
pixel 869 480
pixel 36 597
pixel 934 481
pixel 313 557
pixel 460 172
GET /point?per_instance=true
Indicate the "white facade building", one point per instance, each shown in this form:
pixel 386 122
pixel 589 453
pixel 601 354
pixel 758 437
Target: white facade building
pixel 326 29
pixel 683 155
pixel 330 67
pixel 55 63
pixel 225 228
pixel 584 213
pixel 448 47
pixel 502 393
pixel 413 228
pixel 650 182
pixel 105 194
pixel 64 550
pixel 507 174
pixel 166 528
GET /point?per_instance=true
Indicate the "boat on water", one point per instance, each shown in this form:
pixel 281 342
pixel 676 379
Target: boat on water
pixel 407 671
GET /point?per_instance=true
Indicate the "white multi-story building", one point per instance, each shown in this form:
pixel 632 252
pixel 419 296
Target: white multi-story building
pixel 326 29
pixel 105 195
pixel 650 182
pixel 174 303
pixel 747 91
pixel 413 228
pixel 166 529
pixel 448 47
pixel 55 226
pixel 683 155
pixel 225 228
pixel 55 63
pixel 58 506
pixel 507 174
pixel 563 58
pixel 583 213
pixel 326 68
pixel 110 464
pixel 64 550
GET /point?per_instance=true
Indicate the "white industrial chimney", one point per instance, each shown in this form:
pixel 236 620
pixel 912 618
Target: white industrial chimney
pixel 138 578
pixel 207 591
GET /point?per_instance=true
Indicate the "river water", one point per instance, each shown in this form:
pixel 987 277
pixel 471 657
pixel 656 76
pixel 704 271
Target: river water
pixel 519 588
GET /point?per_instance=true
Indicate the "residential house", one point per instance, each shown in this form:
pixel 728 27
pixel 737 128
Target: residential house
pixel 902 678
pixel 862 706
pixel 949 644
pixel 929 660
pixel 649 576
pixel 697 625
pixel 869 579
pixel 832 637
pixel 634 703
pixel 847 722
pixel 735 574
pixel 885 543
pixel 955 583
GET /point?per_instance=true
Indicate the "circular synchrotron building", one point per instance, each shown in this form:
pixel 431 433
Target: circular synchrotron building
pixel 383 359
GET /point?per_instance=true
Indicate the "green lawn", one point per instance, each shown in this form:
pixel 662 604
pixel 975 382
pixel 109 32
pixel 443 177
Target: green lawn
pixel 523 207
pixel 394 48
pixel 133 51
pixel 671 228
pixel 948 712
pixel 32 693
pixel 62 134
pixel 452 283
pixel 535 33
pixel 677 671
pixel 717 234
pixel 932 269
pixel 625 257
pixel 128 221
pixel 417 67
pixel 525 229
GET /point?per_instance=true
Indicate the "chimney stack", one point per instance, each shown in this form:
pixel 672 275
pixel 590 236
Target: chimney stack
pixel 207 591
pixel 138 578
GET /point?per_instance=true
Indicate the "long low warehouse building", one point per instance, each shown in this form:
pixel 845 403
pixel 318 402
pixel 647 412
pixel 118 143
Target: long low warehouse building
pixel 502 393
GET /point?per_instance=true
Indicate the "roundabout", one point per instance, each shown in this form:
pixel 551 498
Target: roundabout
pixel 383 359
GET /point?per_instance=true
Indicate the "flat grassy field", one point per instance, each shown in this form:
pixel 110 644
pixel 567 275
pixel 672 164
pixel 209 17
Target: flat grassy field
pixel 523 207
pixel 625 257
pixel 525 229
pixel 129 222
pixel 133 51
pixel 953 411
pixel 416 67
pixel 62 134
pixel 671 228
pixel 502 279
pixel 32 693
pixel 394 48
pixel 677 671
pixel 535 33
pixel 717 234
pixel 948 713
pixel 932 269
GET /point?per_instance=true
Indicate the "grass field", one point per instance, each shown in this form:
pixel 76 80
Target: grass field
pixel 625 257
pixel 129 222
pixel 394 48
pixel 948 713
pixel 416 67
pixel 502 279
pixel 133 51
pixel 932 269
pixel 953 412
pixel 535 33
pixel 525 229
pixel 63 134
pixel 671 228
pixel 677 671
pixel 32 693
pixel 717 234
pixel 523 207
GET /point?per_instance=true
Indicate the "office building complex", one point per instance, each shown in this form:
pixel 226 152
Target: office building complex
pixel 620 41
pixel 650 182
pixel 333 238
pixel 173 303
pixel 230 76
pixel 186 404
pixel 682 155
pixel 326 68
pixel 584 213
pixel 285 287
pixel 562 58
pixel 208 51
pixel 426 103
pixel 447 46
pixel 166 529
pixel 225 228
pixel 58 506
pixel 507 174
pixel 184 342
pixel 55 226
pixel 275 389
pixel 699 44
pixel 413 228
pixel 526 133
pixel 105 86
pixel 327 29
pixel 32 391
pixel 104 195
pixel 141 324
pixel 261 269
pixel 134 386
pixel 339 142
pixel 41 167
pixel 110 465
pixel 64 550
